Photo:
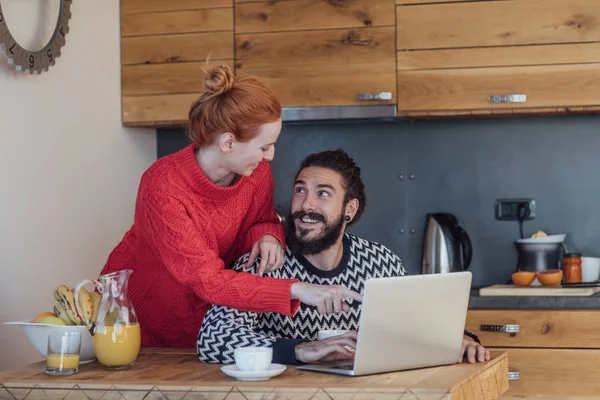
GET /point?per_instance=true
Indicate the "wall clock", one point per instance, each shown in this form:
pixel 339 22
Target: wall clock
pixel 38 61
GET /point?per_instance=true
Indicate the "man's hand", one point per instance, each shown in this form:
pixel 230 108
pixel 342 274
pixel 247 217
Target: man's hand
pixel 330 349
pixel 472 351
pixel 271 254
pixel 327 299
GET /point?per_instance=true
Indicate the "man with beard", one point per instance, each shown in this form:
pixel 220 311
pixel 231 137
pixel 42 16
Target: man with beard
pixel 328 197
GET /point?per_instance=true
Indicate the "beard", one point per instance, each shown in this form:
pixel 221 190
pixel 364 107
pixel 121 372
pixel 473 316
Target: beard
pixel 297 237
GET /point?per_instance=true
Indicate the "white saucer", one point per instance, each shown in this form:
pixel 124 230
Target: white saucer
pixel 235 372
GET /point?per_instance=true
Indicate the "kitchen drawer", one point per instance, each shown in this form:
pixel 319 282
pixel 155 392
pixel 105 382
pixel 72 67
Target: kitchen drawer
pixel 319 85
pixel 575 85
pixel 538 328
pixel 553 374
pixel 322 68
pixel 497 23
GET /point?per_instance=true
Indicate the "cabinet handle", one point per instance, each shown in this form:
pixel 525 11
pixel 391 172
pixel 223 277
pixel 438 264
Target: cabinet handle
pixel 511 98
pixel 374 96
pixel 514 376
pixel 500 328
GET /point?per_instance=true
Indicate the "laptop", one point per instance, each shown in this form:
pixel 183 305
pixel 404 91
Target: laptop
pixel 407 322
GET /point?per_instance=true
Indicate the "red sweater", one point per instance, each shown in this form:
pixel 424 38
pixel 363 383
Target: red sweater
pixel 186 230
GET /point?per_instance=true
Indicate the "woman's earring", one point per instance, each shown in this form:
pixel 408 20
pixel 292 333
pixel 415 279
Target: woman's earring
pixel 348 218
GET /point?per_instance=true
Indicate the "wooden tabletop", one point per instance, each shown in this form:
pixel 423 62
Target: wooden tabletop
pixel 177 374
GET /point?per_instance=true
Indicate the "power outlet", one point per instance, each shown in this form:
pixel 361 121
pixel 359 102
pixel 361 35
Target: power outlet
pixel 508 209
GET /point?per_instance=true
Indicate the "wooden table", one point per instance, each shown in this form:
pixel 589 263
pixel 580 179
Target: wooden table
pixel 177 374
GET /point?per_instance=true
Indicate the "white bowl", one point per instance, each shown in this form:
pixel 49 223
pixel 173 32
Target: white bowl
pixel 590 269
pixel 38 336
pixel 546 239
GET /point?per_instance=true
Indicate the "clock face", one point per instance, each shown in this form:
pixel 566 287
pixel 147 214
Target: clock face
pixel 35 62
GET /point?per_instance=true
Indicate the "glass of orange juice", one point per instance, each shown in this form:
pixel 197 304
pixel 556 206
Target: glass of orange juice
pixel 63 353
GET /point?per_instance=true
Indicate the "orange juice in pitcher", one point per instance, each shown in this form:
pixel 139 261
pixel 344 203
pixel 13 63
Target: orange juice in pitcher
pixel 117 345
pixel 115 332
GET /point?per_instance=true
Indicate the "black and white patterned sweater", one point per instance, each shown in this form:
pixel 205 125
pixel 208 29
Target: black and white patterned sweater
pixel 225 329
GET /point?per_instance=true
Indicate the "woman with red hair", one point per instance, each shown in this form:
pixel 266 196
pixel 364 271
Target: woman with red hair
pixel 201 208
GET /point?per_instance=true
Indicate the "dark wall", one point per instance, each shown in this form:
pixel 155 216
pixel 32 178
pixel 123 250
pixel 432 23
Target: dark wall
pixel 462 167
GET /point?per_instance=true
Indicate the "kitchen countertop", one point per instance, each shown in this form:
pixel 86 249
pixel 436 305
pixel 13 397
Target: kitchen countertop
pixel 176 373
pixel 534 302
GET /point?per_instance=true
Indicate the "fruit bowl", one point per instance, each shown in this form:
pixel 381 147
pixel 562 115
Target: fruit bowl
pixel 37 333
pixel 523 278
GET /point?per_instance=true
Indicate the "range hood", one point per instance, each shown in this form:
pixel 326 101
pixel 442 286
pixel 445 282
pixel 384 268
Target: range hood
pixel 338 113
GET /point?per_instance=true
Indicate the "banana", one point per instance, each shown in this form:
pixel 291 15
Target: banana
pixel 95 304
pixel 64 295
pixel 60 312
pixel 86 303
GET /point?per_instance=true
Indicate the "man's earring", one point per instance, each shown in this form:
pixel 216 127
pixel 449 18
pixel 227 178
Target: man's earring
pixel 348 218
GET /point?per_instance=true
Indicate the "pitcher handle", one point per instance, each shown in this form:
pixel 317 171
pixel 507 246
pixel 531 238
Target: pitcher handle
pixel 91 325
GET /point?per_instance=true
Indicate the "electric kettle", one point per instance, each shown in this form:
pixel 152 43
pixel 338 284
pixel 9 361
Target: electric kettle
pixel 446 246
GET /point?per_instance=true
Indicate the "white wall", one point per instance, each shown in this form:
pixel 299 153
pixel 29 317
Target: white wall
pixel 68 171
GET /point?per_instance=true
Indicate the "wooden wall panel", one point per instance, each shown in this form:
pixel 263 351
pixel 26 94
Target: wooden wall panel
pixel 139 6
pixel 213 19
pixel 164 78
pixel 336 47
pixel 275 16
pixel 413 2
pixel 177 48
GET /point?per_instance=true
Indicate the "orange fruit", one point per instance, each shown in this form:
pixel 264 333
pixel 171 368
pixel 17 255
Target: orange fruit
pixel 551 277
pixel 43 315
pixel 523 278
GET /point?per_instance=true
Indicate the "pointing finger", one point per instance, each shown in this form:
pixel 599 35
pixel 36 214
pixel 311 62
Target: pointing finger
pixel 253 255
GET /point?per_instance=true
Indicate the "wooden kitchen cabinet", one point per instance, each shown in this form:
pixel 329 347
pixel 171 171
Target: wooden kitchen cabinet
pixel 319 52
pixel 469 57
pixel 555 352
pixel 164 45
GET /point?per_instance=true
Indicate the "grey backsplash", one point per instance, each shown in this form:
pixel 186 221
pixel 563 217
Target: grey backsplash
pixel 461 167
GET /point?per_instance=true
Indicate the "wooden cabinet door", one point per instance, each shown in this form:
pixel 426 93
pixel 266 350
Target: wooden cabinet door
pixel 319 52
pixel 537 328
pixel 497 23
pixel 468 89
pixel 505 57
pixel 553 374
pixel 164 45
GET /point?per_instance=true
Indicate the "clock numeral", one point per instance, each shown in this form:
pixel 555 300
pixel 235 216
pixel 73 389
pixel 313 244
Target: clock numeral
pixel 49 54
pixel 12 47
pixel 62 32
pixel 31 61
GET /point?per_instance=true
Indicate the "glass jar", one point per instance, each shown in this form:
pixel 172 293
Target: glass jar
pixel 572 268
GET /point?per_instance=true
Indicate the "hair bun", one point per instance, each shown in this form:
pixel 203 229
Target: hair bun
pixel 219 79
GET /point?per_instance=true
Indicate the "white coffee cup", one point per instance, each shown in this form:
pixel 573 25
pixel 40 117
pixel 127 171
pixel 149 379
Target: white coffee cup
pixel 324 334
pixel 253 358
pixel 590 269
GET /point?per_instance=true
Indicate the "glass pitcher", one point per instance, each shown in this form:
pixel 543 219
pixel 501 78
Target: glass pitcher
pixel 115 332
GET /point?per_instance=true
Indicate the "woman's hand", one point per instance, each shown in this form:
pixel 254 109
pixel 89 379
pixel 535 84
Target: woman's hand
pixel 327 299
pixel 271 254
